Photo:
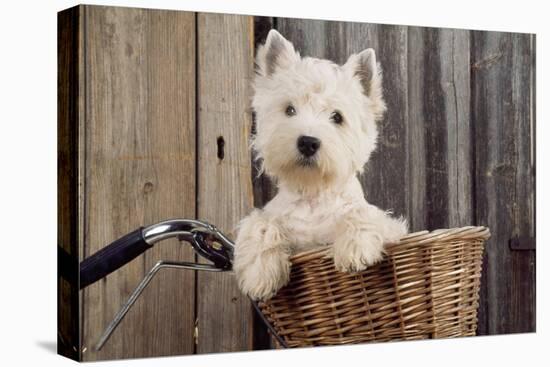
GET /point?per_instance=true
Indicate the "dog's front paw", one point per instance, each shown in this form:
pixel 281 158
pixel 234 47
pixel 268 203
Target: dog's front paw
pixel 262 278
pixel 356 252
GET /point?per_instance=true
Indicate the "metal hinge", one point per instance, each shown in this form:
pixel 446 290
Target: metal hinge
pixel 523 243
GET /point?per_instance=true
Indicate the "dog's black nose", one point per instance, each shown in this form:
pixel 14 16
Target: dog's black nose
pixel 308 145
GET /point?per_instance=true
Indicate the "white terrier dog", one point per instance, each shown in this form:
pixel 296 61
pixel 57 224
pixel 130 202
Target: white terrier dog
pixel 316 128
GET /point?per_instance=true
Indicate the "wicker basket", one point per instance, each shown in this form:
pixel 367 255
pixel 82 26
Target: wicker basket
pixel 427 287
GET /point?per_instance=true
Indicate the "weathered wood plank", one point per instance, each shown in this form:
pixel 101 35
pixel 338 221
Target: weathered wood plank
pixel 171 129
pixel 70 67
pixel 139 169
pixel 435 130
pixel 416 128
pixel 225 67
pixel 308 36
pixel 523 262
pixel 501 117
pixel 439 128
pixel 527 274
pixel 454 58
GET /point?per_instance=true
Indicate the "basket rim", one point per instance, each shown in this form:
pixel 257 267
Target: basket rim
pixel 418 238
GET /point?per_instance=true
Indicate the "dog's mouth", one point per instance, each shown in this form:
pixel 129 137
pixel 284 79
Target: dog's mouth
pixel 307 162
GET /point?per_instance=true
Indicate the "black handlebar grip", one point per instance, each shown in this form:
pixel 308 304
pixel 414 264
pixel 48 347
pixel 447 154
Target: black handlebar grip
pixel 112 257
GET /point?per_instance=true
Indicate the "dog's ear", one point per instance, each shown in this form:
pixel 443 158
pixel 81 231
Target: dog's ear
pixel 277 52
pixel 364 67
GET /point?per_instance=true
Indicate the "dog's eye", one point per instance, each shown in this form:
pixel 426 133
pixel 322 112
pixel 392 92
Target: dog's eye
pixel 336 117
pixel 290 110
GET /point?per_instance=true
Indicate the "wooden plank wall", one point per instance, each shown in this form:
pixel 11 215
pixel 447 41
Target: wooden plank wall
pixel 138 168
pixel 225 67
pixel 154 123
pixel 69 28
pixel 456 146
pixel 503 119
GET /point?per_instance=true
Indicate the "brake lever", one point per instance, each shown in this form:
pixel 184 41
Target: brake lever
pixel 206 240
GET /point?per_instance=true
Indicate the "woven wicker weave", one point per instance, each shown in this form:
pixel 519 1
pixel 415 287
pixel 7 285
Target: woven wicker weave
pixel 427 287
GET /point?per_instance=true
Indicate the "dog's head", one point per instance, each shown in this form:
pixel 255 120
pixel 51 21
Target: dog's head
pixel 316 121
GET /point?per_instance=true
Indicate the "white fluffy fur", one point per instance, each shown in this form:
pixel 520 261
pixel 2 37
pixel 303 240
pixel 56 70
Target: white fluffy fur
pixel 322 204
